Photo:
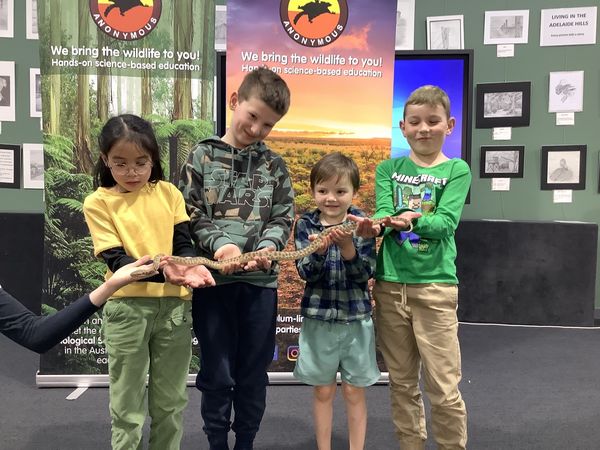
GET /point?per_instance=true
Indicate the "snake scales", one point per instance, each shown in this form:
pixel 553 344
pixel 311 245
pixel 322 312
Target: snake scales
pixel 281 255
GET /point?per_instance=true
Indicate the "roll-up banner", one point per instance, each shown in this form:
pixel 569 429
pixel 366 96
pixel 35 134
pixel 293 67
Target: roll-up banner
pixel 100 58
pixel 337 57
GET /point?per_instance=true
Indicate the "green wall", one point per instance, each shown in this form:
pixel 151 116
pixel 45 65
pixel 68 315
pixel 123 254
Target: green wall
pixel 525 200
pixel 25 129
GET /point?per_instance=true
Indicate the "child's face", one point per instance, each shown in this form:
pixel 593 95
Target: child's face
pixel 130 166
pixel 252 121
pixel 425 128
pixel 333 198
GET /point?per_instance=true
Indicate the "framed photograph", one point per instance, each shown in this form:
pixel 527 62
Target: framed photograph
pixel 7 91
pixel 501 161
pixel 7 18
pixel 405 25
pixel 33 166
pixel 502 104
pixel 31 19
pixel 220 27
pixel 506 27
pixel 10 166
pixel 563 167
pixel 35 93
pixel 565 91
pixel 445 33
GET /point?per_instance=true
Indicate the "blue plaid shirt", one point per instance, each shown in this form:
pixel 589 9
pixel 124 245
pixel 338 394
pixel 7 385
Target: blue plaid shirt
pixel 336 290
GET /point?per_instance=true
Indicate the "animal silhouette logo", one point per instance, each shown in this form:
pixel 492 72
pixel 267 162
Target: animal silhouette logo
pixel 314 23
pixel 126 20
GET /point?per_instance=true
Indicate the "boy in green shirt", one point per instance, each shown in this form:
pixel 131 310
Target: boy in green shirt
pixel 416 291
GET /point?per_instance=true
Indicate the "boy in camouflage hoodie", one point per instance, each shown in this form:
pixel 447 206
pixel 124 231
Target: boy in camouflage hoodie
pixel 240 199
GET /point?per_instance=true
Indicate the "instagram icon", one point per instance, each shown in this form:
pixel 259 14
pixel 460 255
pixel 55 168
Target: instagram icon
pixel 292 352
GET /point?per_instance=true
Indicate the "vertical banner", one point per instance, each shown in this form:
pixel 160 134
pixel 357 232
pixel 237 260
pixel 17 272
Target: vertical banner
pixel 337 57
pixel 100 58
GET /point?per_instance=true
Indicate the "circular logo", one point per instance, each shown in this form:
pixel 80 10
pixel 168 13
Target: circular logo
pixel 314 23
pixel 126 20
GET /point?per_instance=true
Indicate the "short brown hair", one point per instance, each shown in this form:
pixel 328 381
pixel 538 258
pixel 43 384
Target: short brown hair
pixel 266 85
pixel 337 165
pixel 429 95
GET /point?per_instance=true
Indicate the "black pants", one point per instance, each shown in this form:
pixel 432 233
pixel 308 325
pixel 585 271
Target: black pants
pixel 235 327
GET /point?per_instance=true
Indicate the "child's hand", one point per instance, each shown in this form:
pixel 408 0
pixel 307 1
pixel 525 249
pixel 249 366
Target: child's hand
pixel 260 263
pixel 228 251
pixel 403 222
pixel 122 277
pixel 365 227
pixel 343 239
pixel 188 276
pixel 326 242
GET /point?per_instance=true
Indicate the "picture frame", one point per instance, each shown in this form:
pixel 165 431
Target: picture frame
pixel 565 91
pixel 33 166
pixel 405 25
pixel 7 19
pixel 35 92
pixel 445 33
pixel 31 19
pixel 563 167
pixel 506 27
pixel 501 161
pixel 502 104
pixel 7 91
pixel 220 27
pixel 10 166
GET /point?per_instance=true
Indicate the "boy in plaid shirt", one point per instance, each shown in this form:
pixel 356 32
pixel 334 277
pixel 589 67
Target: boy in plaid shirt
pixel 337 330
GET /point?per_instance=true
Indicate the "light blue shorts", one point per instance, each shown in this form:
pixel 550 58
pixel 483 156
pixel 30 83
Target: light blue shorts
pixel 329 347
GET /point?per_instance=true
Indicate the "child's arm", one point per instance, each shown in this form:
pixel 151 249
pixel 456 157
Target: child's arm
pixel 444 220
pixel 310 268
pixel 361 267
pixel 277 229
pixel 207 236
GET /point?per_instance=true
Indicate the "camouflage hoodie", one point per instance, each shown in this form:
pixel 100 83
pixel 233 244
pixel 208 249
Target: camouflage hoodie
pixel 242 197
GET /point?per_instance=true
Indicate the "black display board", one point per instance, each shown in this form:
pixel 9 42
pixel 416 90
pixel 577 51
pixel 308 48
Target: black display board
pixel 539 273
pixel 21 257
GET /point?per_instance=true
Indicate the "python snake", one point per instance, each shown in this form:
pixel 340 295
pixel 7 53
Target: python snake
pixel 279 255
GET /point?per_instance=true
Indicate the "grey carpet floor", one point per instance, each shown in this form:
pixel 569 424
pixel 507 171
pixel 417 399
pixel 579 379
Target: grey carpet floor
pixel 525 388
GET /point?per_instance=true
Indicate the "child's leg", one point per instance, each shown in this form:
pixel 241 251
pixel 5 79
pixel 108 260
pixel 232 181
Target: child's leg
pixel 356 410
pixel 256 319
pixel 323 414
pixel 436 331
pixel 170 354
pixel 126 329
pixel 397 344
pixel 213 312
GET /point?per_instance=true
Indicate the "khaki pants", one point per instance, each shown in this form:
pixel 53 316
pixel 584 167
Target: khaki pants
pixel 416 326
pixel 147 337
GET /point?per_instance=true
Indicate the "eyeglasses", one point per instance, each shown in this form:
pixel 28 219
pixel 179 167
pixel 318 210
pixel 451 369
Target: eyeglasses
pixel 138 168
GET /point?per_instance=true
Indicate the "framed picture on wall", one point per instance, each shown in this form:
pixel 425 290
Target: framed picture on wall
pixel 563 167
pixel 33 166
pixel 7 18
pixel 220 27
pixel 405 25
pixel 35 93
pixel 445 33
pixel 501 161
pixel 565 91
pixel 506 27
pixel 502 104
pixel 7 91
pixel 31 21
pixel 10 166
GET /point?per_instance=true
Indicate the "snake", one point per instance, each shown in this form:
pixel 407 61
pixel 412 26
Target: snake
pixel 276 255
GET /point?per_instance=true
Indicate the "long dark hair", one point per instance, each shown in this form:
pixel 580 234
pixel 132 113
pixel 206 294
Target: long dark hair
pixel 129 128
